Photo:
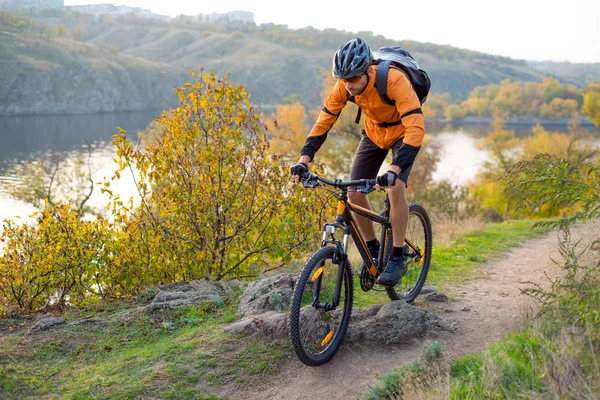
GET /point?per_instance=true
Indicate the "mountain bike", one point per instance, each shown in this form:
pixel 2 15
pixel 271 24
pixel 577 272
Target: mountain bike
pixel 322 301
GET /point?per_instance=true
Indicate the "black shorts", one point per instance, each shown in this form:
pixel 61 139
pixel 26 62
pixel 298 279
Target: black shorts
pixel 369 157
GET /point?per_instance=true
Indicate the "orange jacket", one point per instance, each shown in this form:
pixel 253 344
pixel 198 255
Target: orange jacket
pixel 405 117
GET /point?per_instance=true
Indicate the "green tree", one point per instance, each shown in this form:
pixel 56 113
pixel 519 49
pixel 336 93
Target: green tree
pixel 506 151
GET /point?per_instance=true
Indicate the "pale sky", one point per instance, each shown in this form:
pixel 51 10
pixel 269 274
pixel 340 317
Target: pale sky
pixel 524 29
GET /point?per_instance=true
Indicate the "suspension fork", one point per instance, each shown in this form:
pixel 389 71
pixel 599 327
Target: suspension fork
pixel 340 257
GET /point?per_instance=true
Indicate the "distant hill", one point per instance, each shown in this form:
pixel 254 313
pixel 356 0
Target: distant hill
pixel 274 63
pixel 579 74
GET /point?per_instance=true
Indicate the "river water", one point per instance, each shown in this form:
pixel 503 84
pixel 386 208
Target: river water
pixel 26 136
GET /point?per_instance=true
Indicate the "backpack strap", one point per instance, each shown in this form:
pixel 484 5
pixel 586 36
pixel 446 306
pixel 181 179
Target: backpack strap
pixel 381 79
pixel 359 112
pixel 415 111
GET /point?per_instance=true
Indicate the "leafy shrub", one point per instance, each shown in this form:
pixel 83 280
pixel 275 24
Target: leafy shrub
pixel 444 199
pixel 215 204
pixel 215 200
pixel 55 261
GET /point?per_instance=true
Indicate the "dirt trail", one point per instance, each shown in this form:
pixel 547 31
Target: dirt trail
pixel 482 311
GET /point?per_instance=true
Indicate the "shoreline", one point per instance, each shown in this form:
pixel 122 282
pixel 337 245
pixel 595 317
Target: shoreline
pixel 532 121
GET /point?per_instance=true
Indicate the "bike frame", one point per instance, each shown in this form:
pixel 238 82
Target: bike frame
pixel 317 336
pixel 346 222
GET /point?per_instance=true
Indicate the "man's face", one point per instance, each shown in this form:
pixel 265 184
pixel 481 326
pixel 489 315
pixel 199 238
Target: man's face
pixel 356 84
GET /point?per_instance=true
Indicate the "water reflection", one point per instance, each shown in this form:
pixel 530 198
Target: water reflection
pixel 25 136
pixel 460 159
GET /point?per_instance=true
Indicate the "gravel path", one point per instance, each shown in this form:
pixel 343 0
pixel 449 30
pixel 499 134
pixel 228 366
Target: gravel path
pixel 481 312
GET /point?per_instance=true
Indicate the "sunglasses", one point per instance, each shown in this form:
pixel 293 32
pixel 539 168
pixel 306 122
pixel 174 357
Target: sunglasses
pixel 354 79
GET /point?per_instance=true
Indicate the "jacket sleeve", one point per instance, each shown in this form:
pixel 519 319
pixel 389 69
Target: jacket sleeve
pixel 334 104
pixel 409 107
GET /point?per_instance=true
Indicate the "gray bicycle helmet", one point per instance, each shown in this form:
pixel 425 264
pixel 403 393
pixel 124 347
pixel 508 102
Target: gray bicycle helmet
pixel 352 59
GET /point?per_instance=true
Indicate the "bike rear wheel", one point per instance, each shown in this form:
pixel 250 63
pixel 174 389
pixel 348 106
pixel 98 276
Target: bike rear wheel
pixel 315 332
pixel 417 252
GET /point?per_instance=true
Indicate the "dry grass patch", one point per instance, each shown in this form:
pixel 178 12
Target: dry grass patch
pixel 446 231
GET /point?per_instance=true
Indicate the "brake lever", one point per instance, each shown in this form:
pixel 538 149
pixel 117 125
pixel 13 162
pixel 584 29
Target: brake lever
pixel 366 188
pixel 310 181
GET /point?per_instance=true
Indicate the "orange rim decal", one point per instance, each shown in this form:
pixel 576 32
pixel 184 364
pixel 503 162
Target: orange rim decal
pixel 327 339
pixel 317 273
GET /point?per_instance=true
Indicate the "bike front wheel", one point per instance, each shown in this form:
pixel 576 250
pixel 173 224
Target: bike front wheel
pixel 417 253
pixel 316 330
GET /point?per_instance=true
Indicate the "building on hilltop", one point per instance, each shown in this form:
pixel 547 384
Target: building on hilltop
pixel 245 17
pixel 30 4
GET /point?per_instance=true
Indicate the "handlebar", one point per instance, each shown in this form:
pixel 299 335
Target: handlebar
pixel 310 180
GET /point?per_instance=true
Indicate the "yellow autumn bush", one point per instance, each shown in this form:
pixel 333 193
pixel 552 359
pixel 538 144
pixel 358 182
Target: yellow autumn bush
pixel 215 204
pixel 490 185
pixel 53 261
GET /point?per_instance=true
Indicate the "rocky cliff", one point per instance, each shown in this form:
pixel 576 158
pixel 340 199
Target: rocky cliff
pixel 62 76
pixel 86 90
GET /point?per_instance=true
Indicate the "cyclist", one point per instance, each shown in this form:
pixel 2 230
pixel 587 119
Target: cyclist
pixel 398 127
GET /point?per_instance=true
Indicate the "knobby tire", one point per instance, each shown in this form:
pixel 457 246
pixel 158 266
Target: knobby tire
pixel 308 348
pixel 416 275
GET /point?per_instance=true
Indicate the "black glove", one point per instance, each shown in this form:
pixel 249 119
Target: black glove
pixel 298 169
pixel 387 179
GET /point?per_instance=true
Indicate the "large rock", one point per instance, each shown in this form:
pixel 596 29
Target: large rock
pixel 271 324
pixel 187 294
pixel 263 302
pixel 436 297
pixel 271 294
pixel 45 322
pixel 393 322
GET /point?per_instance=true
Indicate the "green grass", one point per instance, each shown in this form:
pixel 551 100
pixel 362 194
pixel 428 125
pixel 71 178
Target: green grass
pixel 184 353
pixel 532 363
pixel 454 264
pixel 508 369
pixel 179 354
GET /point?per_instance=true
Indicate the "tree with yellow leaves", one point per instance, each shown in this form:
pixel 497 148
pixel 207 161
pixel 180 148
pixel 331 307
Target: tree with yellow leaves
pixel 216 202
pixel 288 129
pixel 591 104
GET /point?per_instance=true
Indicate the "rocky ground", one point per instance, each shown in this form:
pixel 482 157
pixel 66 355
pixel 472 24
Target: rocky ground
pixel 380 337
pixel 478 313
